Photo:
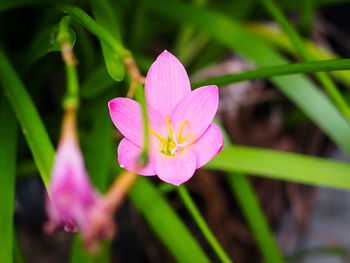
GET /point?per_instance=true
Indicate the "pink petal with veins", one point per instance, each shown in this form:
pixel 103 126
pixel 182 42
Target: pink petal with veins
pixel 175 169
pixel 198 109
pixel 166 83
pixel 128 153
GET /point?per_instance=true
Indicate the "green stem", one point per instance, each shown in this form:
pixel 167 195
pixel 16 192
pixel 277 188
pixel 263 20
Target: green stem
pixel 8 153
pixel 91 25
pixel 140 97
pixel 255 217
pixel 72 95
pixel 191 207
pixel 63 37
pixel 271 71
pixel 298 44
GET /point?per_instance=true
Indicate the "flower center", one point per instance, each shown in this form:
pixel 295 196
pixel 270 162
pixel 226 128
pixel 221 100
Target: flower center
pixel 173 144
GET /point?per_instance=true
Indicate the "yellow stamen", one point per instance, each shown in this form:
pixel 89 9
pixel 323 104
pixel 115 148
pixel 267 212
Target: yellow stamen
pixel 156 134
pixel 190 135
pixel 180 133
pixel 169 127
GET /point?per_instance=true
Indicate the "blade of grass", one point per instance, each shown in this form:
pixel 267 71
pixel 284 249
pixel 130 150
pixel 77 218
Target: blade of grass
pixel 18 256
pixel 31 124
pixel 252 211
pixel 8 152
pixel 165 223
pixel 255 217
pixel 266 72
pixel 278 39
pixel 297 88
pixel 280 165
pixel 203 226
pixel 298 44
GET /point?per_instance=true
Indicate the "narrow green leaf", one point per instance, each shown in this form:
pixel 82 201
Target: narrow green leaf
pixel 29 119
pixel 297 88
pixel 104 15
pixel 298 44
pixel 8 152
pixel 44 43
pixel 18 256
pixel 165 223
pixel 280 165
pixel 279 40
pixel 271 71
pixel 255 217
pixel 203 226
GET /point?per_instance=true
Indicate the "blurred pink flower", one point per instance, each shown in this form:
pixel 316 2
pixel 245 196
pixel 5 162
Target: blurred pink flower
pixel 71 193
pixel 182 135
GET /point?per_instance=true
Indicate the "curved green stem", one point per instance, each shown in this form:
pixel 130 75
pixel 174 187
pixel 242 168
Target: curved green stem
pixel 66 46
pixel 91 25
pixel 191 207
pixel 271 71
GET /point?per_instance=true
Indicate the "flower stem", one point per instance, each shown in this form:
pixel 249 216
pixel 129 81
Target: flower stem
pixel 119 189
pixel 72 94
pixel 191 207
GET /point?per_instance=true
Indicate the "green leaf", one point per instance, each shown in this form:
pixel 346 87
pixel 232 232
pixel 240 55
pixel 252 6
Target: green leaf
pixel 255 217
pixel 278 39
pixel 165 223
pixel 99 31
pixel 104 15
pixel 298 89
pixel 298 44
pixel 45 42
pixel 8 152
pixel 280 165
pixel 29 119
pixel 202 225
pixel 271 71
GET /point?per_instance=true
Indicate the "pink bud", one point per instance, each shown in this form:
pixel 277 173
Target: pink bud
pixel 71 194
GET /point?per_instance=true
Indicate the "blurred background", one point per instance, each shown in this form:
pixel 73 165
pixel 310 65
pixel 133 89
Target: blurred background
pixel 311 224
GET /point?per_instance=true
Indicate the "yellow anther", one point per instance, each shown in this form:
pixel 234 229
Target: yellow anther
pixel 169 127
pixel 190 135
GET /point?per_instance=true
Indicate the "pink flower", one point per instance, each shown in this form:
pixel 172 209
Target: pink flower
pixel 71 194
pixel 182 135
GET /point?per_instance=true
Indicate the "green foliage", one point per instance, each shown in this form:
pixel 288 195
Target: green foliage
pixel 203 37
pixel 8 152
pixel 279 165
pixel 28 117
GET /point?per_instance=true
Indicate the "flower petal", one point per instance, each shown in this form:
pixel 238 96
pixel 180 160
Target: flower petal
pixel 126 115
pixel 208 145
pixel 198 110
pixel 175 169
pixel 71 192
pixel 128 153
pixel 166 83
